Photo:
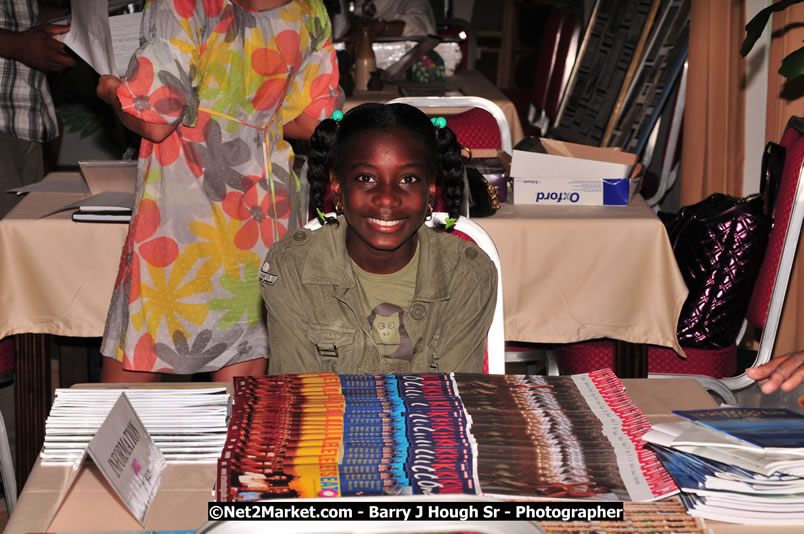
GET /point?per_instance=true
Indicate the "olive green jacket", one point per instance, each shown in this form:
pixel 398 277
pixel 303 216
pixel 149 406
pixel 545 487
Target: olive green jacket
pixel 315 317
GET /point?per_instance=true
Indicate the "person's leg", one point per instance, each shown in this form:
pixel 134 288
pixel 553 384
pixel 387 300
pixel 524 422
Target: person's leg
pixel 248 368
pixel 22 165
pixel 113 372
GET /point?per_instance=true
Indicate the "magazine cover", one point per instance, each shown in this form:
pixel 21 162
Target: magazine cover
pixel 764 427
pixel 429 434
pixel 577 437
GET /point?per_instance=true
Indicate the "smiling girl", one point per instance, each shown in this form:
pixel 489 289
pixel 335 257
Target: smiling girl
pixel 376 290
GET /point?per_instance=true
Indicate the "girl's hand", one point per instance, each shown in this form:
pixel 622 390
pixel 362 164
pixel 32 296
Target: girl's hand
pixel 107 88
pixel 107 91
pixel 785 371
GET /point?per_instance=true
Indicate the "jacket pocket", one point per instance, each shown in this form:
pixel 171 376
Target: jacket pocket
pixel 332 342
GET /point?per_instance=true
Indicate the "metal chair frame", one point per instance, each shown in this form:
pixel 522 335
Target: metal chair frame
pixel 7 469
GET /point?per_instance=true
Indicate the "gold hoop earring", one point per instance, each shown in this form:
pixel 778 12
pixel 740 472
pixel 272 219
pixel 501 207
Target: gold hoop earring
pixel 338 207
pixel 429 212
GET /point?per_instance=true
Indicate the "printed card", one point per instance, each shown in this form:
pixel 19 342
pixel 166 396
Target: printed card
pixel 127 456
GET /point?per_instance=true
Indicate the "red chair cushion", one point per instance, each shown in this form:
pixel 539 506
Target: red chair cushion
pixel 590 356
pixel 475 128
pixel 6 360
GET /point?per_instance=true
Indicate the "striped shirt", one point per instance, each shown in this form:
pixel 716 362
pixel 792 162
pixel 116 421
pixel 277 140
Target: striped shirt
pixel 26 108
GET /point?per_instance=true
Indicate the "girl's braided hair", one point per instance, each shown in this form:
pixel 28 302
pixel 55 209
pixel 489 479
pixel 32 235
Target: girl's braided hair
pixel 441 146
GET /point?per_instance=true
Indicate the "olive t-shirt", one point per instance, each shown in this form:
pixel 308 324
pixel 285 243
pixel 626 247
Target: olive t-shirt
pixel 386 299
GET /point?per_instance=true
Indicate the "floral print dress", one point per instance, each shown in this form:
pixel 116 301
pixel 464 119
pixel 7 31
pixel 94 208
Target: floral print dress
pixel 214 195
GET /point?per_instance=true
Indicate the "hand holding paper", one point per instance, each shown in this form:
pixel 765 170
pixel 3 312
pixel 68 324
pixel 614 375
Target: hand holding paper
pixel 91 33
pixel 40 48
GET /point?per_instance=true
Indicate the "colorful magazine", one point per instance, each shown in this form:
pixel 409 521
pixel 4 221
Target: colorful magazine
pixel 438 434
pixel 769 428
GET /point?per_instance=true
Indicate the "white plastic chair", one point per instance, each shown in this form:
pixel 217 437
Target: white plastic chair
pixel 495 340
pixel 464 102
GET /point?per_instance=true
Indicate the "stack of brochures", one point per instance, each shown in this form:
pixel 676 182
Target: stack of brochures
pixel 738 465
pixel 188 424
pixel 502 436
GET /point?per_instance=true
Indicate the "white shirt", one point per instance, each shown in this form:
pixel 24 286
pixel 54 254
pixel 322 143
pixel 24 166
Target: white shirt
pixel 416 14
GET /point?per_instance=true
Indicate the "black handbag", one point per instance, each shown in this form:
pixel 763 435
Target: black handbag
pixel 719 244
pixel 483 197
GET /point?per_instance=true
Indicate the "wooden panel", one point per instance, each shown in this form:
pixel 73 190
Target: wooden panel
pixel 33 399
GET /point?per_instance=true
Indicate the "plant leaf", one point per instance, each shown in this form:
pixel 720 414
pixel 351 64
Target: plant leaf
pixel 755 27
pixel 793 64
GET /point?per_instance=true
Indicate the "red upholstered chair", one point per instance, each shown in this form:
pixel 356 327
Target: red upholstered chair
pixel 483 125
pixel 469 230
pixel 765 306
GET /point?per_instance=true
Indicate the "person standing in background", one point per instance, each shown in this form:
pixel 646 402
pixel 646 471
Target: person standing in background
pixel 389 18
pixel 27 116
pixel 214 90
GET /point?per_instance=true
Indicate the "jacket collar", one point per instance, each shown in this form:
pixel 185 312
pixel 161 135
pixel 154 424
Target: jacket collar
pixel 329 264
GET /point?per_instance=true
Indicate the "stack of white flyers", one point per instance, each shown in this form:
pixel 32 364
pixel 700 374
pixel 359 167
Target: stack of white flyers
pixel 738 465
pixel 187 424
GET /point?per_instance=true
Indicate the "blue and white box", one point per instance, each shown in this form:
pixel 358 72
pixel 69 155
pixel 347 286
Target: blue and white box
pixel 571 174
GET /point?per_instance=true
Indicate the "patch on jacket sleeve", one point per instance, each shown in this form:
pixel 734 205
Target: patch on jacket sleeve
pixel 265 275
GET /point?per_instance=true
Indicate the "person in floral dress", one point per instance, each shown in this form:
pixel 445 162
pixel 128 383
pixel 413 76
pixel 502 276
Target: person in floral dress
pixel 213 90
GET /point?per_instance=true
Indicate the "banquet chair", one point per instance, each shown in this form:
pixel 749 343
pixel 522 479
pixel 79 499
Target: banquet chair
pixel 469 230
pixel 483 125
pixel 715 368
pixel 7 469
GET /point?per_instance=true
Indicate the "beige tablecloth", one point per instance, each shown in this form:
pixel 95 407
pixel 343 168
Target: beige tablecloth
pixel 56 276
pixel 469 82
pixel 181 503
pixel 569 274
pixel 584 272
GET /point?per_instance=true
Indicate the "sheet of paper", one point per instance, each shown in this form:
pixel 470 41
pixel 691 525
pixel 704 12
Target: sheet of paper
pixel 105 43
pixel 52 186
pixel 127 456
pixel 90 36
pixel 106 201
pixel 125 39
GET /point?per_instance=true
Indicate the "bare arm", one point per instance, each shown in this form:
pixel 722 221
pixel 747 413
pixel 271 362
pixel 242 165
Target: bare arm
pixel 107 91
pixel 37 48
pixel 301 127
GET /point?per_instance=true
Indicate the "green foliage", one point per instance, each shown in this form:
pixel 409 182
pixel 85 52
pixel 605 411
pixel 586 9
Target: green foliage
pixel 793 65
pixel 79 118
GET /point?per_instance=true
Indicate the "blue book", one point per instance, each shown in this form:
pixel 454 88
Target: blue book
pixel 763 427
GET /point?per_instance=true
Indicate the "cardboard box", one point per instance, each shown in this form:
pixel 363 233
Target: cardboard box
pixel 572 174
